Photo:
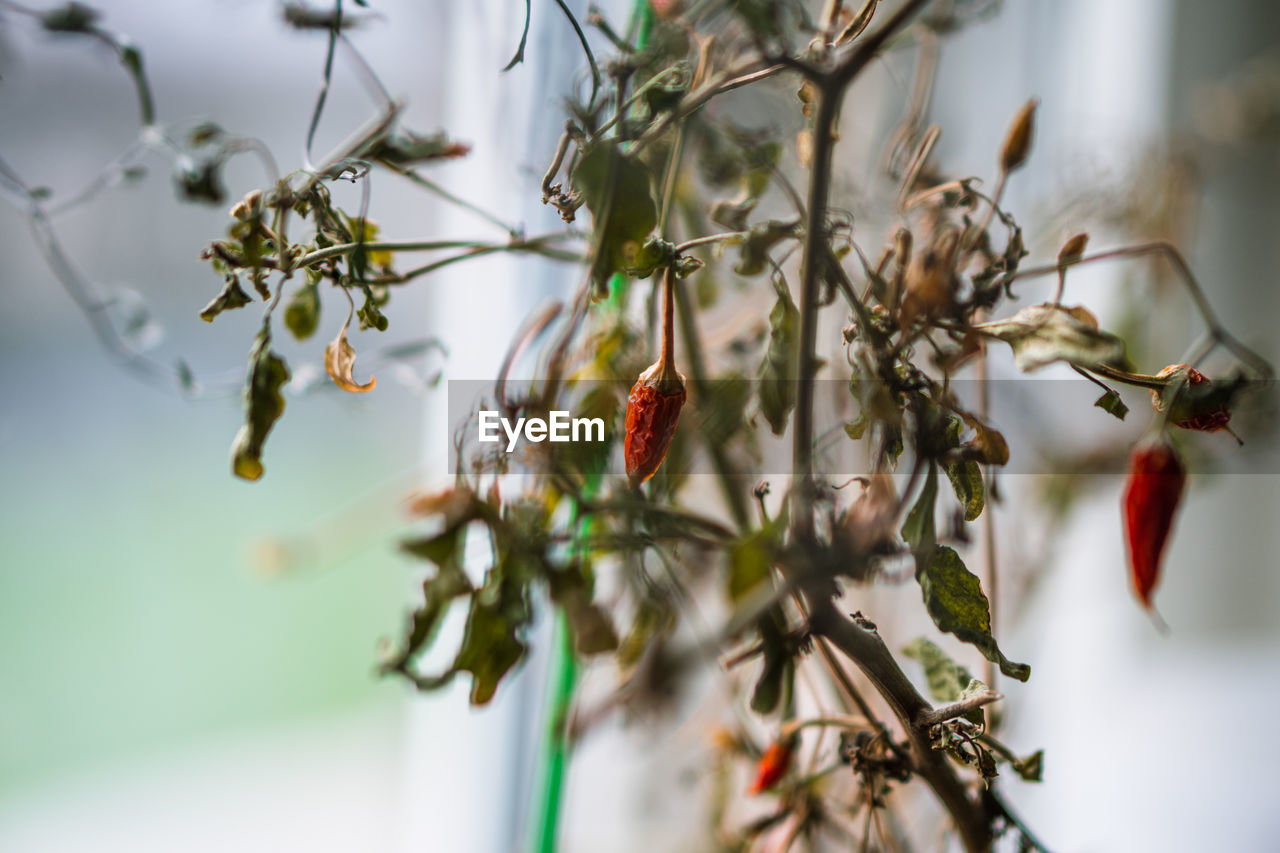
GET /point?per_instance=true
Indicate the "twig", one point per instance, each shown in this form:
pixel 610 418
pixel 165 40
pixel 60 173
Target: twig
pixel 1198 298
pixel 958 709
pixel 586 48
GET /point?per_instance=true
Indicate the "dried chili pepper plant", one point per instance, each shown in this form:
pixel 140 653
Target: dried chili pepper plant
pixel 657 172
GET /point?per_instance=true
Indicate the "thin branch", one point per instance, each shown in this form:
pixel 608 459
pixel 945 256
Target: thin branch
pixel 958 709
pixel 1198 298
pixel 586 48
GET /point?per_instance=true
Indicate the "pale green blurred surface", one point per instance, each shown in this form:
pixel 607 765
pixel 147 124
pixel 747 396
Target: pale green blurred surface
pixel 134 614
pixel 134 610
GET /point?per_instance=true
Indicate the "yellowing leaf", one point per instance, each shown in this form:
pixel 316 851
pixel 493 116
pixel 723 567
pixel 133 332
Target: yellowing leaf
pixel 264 404
pixel 339 361
pixel 366 231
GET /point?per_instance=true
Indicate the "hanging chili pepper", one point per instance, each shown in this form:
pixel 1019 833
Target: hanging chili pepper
pixel 772 766
pixel 1151 497
pixel 653 408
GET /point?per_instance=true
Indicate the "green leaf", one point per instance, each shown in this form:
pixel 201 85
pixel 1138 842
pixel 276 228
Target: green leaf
pixel 761 162
pixel 655 254
pixel 1042 334
pixel 70 18
pixel 201 182
pixel 1111 403
pixel 491 645
pixel 918 529
pixel 615 188
pixel 440 549
pixel 892 442
pixel 955 601
pixel 302 314
pixel 593 631
pixel 778 371
pixel 654 620
pixel 760 16
pixel 768 690
pixel 724 414
pixel 369 315
pixel 732 214
pixel 947 679
pixel 749 563
pixel 186 378
pixel 405 149
pixel 490 648
pixel 231 297
pixel 264 404
pixel 1031 768
pixel 857 427
pixel 966 479
pixel 762 237
pixel 438 592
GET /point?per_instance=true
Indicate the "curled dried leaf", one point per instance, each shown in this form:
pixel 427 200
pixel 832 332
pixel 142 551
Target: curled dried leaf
pixel 339 362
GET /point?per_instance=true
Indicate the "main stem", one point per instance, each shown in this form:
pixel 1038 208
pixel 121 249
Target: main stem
pixel 802 492
pixel 864 647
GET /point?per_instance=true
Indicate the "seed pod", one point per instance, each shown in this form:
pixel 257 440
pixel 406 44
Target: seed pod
pixel 1198 410
pixel 1017 144
pixel 772 766
pixel 653 407
pixel 1151 497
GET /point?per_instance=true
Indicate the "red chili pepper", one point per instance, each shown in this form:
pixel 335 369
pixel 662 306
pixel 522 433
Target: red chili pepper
pixel 653 408
pixel 1151 497
pixel 651 422
pixel 772 766
pixel 1199 412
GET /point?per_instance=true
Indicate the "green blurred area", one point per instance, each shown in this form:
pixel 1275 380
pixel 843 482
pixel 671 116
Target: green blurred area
pixel 141 604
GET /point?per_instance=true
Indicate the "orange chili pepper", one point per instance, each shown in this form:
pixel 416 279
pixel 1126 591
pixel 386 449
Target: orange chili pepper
pixel 772 766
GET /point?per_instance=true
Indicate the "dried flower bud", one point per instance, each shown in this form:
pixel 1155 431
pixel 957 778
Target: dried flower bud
pixel 248 207
pixel 1017 144
pixel 1151 497
pixel 1073 249
pixel 1200 410
pixel 930 279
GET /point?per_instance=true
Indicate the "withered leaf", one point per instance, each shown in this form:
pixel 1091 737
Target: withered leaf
pixel 1042 334
pixel 339 362
pixel 264 404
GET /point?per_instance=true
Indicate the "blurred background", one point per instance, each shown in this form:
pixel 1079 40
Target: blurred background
pixel 187 661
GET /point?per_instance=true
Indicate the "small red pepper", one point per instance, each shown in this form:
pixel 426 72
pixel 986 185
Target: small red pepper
pixel 772 766
pixel 651 422
pixel 1151 497
pixel 653 407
